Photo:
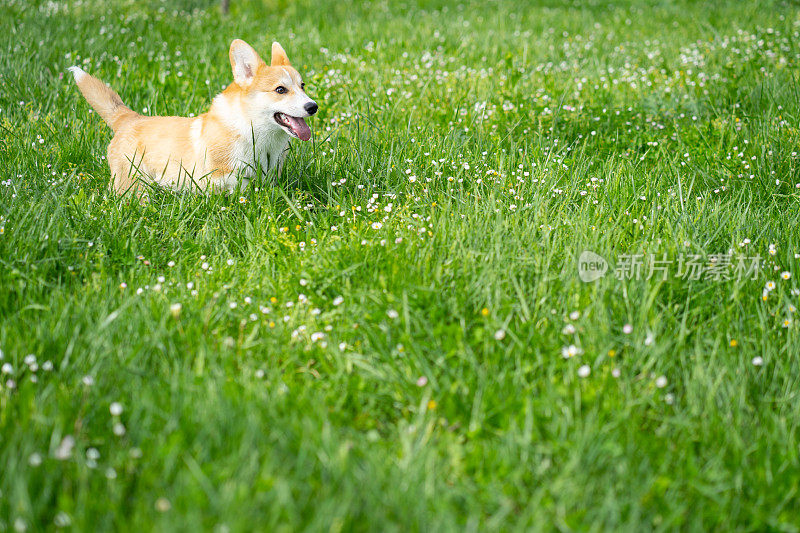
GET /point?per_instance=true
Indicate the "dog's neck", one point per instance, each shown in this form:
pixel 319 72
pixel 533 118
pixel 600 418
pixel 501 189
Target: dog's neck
pixel 240 145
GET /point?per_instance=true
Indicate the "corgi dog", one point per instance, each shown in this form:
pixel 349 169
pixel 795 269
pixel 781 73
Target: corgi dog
pixel 246 130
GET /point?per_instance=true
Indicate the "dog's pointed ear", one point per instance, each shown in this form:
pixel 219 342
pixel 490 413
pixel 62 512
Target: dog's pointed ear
pixel 279 57
pixel 244 62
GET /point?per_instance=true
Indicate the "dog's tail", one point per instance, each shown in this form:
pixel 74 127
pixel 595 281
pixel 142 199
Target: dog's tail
pixel 106 102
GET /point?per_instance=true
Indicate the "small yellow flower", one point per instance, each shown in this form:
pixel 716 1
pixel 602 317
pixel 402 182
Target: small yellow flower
pixel 485 311
pixel 273 300
pixel 271 324
pixel 432 405
pixel 734 343
pixel 612 353
pixel 297 227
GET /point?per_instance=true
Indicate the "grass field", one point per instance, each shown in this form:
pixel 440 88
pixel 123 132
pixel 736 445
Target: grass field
pixel 395 334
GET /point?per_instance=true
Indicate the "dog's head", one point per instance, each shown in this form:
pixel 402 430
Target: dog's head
pixel 273 95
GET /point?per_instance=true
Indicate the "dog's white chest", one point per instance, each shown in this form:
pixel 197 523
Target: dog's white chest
pixel 264 153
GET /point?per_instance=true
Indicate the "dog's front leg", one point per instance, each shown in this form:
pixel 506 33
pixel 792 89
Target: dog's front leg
pixel 281 159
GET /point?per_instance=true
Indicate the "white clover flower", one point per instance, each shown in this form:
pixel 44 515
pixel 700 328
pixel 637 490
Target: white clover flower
pixel 661 382
pixel 64 450
pixel 163 505
pixel 584 371
pixel 115 408
pixel 758 361
pixel 500 334
pixel 570 351
pixel 627 329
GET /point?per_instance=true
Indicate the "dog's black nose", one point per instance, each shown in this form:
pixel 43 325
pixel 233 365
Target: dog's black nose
pixel 311 108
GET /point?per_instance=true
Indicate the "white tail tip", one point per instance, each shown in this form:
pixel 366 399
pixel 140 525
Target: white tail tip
pixel 78 72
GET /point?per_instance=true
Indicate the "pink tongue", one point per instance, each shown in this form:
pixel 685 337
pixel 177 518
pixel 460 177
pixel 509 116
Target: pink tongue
pixel 299 127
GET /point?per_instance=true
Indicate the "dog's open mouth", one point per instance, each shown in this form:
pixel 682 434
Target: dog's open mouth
pixel 296 126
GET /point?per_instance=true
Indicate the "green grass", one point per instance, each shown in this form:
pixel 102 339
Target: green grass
pixel 359 350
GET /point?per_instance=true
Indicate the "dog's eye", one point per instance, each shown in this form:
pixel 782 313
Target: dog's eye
pixel 280 89
pixel 303 86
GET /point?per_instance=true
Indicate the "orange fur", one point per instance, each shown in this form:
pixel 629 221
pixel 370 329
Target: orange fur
pixel 248 126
